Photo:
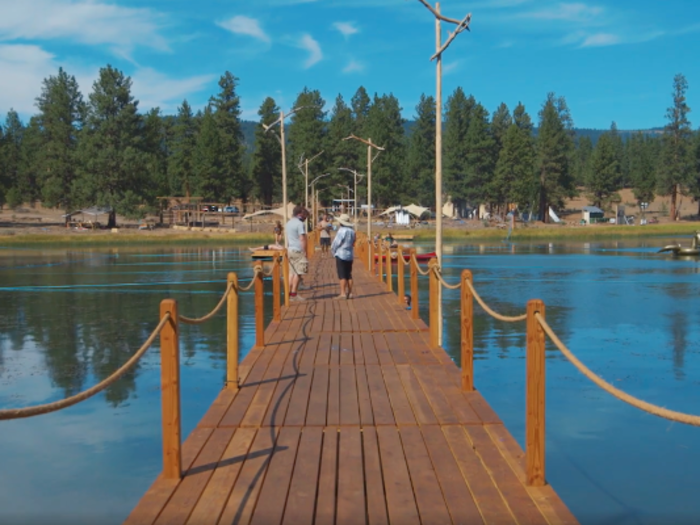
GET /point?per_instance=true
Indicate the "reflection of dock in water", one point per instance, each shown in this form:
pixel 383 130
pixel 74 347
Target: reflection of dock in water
pixel 347 414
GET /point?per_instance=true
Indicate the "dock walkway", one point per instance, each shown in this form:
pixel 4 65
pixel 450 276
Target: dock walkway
pixel 347 416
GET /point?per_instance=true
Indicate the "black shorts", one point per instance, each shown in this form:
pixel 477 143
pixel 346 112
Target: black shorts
pixel 325 241
pixel 344 269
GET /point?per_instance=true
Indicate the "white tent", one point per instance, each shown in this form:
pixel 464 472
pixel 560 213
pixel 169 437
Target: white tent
pixel 278 211
pixel 413 209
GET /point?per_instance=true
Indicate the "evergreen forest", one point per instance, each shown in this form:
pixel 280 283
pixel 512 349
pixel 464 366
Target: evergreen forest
pixel 99 149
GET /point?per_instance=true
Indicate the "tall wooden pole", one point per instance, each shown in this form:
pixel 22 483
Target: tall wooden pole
pixel 369 194
pixel 306 179
pixel 438 164
pixel 284 174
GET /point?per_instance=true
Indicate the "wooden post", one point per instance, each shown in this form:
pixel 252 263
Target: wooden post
pixel 370 258
pixel 170 391
pixel 400 274
pixel 467 339
pixel 232 348
pixel 276 307
pixel 310 245
pixel 389 270
pixel 415 311
pixel 259 308
pixel 285 275
pixel 433 316
pixel 535 391
pixel 380 260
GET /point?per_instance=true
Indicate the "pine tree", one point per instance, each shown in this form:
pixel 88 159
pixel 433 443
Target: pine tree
pixel 307 137
pixel 182 146
pixel 582 160
pixel 267 157
pixel 341 153
pixel 113 163
pixel 555 147
pixel 420 162
pixel 360 104
pixel 27 187
pixel 514 180
pixel 61 118
pixel 480 159
pixel 208 161
pixel 675 168
pixel 457 118
pixel 226 106
pixel 155 146
pixel 643 153
pixel 500 122
pixel 605 176
pixel 12 155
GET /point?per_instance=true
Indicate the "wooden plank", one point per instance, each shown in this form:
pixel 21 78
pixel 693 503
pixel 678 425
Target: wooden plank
pixel 211 503
pixel 318 399
pixel 296 411
pixel 351 486
pixel 381 405
pixel 347 351
pixel 488 498
pixel 459 499
pixel 399 402
pixel 273 495
pixel 349 406
pixel 152 503
pixel 453 393
pixel 302 492
pixel 325 504
pixel 218 408
pixel 369 350
pixel 323 353
pixel 277 409
pixel 357 349
pixel 401 503
pixel 333 413
pixel 363 397
pixel 195 480
pixel 431 388
pixel 383 353
pixel 376 500
pixel 244 496
pixel 397 352
pixel 431 504
pixel 421 407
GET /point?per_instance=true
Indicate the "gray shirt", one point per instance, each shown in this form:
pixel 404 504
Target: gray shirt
pixel 295 229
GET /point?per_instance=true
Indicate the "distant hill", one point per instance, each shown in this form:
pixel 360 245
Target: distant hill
pixel 594 134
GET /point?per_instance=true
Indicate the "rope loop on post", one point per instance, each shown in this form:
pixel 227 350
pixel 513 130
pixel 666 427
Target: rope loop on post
pixel 16 413
pixel 492 313
pixel 422 272
pixel 200 320
pixel 457 286
pixel 672 415
pixel 258 270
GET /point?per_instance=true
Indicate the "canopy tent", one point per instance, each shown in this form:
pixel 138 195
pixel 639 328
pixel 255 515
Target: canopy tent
pixel 93 210
pixel 413 209
pixel 278 211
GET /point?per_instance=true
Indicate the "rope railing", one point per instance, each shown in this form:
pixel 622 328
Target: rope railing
pixel 436 270
pixel 415 261
pixel 672 415
pixel 258 270
pixel 204 319
pixel 17 413
pixel 493 313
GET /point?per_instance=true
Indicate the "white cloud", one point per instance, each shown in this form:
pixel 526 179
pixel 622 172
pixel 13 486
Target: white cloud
pixel 308 43
pixel 567 12
pixel 243 25
pixel 85 21
pixel 345 28
pixel 354 67
pixel 600 39
pixel 450 67
pixel 23 69
pixel 154 89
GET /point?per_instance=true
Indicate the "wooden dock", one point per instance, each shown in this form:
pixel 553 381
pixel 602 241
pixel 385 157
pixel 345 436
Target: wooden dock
pixel 347 416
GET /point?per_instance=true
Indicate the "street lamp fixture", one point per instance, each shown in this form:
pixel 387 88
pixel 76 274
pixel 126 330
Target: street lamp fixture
pixel 357 176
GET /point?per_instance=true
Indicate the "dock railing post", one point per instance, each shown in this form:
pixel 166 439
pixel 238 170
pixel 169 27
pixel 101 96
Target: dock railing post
pixel 535 400
pixel 389 270
pixel 259 307
pixel 370 258
pixel 401 285
pixel 170 391
pixel 434 287
pixel 232 341
pixel 415 303
pixel 467 339
pixel 285 274
pixel 276 306
pixel 380 261
pixel 310 249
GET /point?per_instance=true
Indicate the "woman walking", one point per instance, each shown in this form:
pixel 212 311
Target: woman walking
pixel 343 250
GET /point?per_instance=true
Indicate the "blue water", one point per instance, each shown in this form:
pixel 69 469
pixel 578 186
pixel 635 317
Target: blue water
pixel 68 318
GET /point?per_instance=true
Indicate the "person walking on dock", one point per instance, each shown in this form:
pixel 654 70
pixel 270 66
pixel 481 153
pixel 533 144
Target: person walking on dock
pixel 324 227
pixel 343 250
pixel 296 245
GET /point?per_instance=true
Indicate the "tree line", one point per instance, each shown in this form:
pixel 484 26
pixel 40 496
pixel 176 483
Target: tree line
pixel 78 152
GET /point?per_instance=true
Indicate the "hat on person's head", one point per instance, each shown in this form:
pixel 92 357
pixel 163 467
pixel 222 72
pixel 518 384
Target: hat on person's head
pixel 344 219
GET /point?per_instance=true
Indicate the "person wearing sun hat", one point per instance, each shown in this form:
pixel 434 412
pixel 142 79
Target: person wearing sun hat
pixel 342 249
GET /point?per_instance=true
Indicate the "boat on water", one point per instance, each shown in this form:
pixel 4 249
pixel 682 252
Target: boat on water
pixel 677 249
pixel 420 257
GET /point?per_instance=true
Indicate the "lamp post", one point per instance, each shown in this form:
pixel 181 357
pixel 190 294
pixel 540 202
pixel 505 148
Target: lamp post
pixel 280 137
pixel 313 184
pixel 305 171
pixel 356 175
pixel 379 149
pixel 462 25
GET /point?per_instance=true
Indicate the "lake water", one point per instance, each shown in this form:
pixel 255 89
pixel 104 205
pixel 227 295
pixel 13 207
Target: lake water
pixel 68 318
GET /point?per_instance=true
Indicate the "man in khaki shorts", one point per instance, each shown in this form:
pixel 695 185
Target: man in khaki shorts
pixel 296 250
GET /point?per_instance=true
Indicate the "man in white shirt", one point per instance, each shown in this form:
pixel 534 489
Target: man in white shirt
pixel 296 247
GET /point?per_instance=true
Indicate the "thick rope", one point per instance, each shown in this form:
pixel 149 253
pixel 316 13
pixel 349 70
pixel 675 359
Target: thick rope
pixel 16 413
pixel 413 258
pixel 445 283
pixel 200 320
pixel 492 313
pixel 258 270
pixel 405 261
pixel 637 403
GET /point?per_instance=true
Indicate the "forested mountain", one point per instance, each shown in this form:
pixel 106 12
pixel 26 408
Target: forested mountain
pixel 100 149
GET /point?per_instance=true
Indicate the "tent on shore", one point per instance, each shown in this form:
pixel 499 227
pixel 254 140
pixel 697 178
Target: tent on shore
pixel 277 211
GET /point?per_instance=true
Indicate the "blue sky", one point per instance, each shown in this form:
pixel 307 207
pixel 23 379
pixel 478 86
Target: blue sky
pixel 613 60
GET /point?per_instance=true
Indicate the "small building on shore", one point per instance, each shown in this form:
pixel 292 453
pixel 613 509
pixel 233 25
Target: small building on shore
pixel 592 214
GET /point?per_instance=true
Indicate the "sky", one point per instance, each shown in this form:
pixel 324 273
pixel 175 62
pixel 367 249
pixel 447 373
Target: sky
pixel 613 60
